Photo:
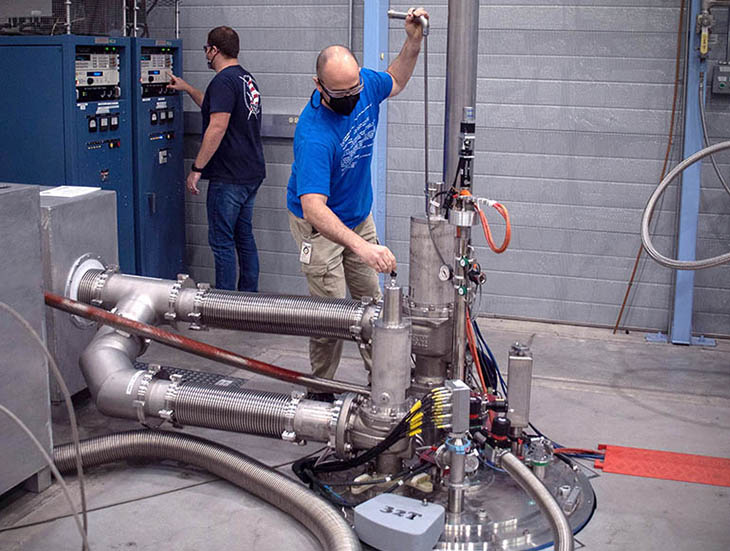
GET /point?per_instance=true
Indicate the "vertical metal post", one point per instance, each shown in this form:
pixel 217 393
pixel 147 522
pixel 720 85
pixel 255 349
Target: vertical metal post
pixel 124 17
pixel 349 24
pixel 461 75
pixel 177 18
pixel 375 56
pixel 681 330
pixel 134 25
pixel 67 3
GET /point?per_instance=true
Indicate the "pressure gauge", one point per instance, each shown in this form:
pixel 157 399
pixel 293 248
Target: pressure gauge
pixel 444 273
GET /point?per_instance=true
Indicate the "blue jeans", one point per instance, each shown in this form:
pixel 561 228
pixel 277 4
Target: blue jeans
pixel 230 231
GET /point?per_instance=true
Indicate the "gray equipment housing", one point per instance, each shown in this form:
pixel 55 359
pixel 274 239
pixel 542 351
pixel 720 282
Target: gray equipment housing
pixel 23 366
pixel 391 522
pixel 74 230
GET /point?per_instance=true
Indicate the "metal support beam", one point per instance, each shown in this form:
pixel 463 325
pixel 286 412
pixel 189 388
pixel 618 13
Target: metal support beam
pixel 681 330
pixel 375 56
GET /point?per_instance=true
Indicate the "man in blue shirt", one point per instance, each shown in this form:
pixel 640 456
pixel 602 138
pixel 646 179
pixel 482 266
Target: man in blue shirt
pixel 329 195
pixel 231 158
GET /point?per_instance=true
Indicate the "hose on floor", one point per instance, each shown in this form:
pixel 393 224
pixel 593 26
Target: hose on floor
pixel 323 520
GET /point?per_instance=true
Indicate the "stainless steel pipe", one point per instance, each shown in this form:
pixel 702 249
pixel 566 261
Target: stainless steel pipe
pixel 462 49
pixel 321 518
pixel 562 533
pixel 281 314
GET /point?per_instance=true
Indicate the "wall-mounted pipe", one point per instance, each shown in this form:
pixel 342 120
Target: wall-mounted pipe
pixel 67 4
pixel 321 518
pixel 562 533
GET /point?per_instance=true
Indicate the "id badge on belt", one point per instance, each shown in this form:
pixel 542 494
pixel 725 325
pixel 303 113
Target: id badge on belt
pixel 305 254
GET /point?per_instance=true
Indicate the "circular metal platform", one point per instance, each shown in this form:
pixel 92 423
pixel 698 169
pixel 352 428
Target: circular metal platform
pixel 499 514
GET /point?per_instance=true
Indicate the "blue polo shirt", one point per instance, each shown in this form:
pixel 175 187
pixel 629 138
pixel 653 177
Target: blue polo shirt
pixel 332 152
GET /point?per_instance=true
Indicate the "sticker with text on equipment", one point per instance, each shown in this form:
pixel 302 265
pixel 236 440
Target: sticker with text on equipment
pixel 305 255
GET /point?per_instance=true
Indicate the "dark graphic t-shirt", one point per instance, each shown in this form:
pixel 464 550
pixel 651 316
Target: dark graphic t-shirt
pixel 240 156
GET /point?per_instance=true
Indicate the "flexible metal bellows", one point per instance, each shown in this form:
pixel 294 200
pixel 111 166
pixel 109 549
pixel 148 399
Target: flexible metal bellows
pixel 87 285
pixel 321 518
pixel 283 314
pixel 237 410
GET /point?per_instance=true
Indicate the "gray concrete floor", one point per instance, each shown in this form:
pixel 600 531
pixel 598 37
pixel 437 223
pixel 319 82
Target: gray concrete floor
pixel 590 387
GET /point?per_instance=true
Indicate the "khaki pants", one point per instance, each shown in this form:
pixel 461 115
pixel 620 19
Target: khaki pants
pixel 331 269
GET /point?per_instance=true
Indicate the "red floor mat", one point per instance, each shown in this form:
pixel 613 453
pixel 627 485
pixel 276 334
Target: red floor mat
pixel 666 465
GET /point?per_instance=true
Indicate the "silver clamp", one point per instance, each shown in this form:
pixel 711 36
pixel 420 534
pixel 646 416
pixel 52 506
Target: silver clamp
pixel 144 384
pixel 183 281
pixel 340 421
pixel 168 413
pixel 290 410
pixel 100 283
pixel 195 315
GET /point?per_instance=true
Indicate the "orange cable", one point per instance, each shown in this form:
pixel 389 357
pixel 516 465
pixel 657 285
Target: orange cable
pixel 472 346
pixel 488 233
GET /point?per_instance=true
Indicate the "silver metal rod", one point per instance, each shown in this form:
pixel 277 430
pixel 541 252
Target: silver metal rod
pixel 459 353
pixel 461 75
pixel 349 24
pixel 423 20
pixel 177 18
pixel 425 115
pixel 68 16
pixel 136 9
pixel 562 533
pixel 124 17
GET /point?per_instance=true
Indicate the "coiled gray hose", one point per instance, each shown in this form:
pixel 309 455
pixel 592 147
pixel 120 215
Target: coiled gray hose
pixel 703 118
pixel 649 210
pixel 323 520
pixel 562 533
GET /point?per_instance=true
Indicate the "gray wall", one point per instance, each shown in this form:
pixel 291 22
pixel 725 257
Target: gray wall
pixel 574 103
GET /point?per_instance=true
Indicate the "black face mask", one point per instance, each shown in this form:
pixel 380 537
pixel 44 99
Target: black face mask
pixel 344 106
pixel 210 61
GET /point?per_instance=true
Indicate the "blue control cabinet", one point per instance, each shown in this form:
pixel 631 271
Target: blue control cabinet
pixel 159 172
pixel 67 119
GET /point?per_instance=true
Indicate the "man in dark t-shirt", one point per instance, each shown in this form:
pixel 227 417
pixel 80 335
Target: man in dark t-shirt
pixel 230 157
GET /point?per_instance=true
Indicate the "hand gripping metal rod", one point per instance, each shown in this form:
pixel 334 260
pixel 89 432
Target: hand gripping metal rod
pixel 199 348
pixel 423 20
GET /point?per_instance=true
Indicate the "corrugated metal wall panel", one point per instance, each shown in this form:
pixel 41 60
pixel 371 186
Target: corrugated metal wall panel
pixel 573 110
pixel 574 102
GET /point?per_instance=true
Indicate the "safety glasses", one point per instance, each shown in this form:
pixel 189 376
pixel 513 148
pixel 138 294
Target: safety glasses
pixel 342 93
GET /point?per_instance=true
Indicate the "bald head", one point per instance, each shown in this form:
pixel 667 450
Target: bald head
pixel 337 68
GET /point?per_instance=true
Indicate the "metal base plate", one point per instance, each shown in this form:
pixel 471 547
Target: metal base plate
pixel 499 515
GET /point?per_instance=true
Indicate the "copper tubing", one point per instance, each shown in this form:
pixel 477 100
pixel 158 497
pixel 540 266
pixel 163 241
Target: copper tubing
pixel 199 348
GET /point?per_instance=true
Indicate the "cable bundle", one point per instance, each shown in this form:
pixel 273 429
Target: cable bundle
pixel 431 410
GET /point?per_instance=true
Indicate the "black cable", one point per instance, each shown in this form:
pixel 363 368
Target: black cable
pixel 315 452
pixel 304 466
pixel 152 7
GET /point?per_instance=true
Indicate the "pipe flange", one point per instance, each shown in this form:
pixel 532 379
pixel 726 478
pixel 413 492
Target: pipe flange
pixel 183 281
pixel 100 283
pixel 342 423
pixel 81 266
pixel 371 312
pixel 290 410
pixel 195 316
pixel 168 413
pixel 144 384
